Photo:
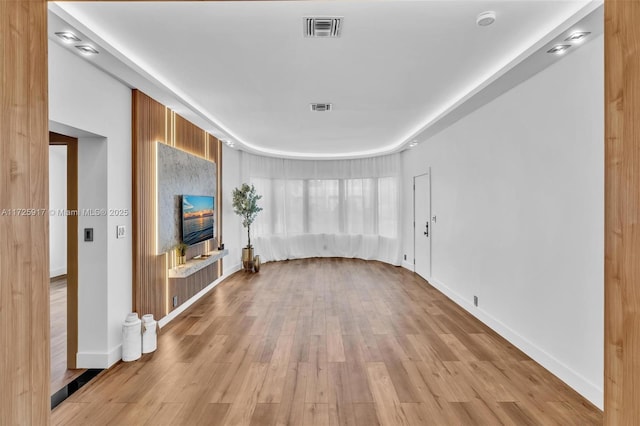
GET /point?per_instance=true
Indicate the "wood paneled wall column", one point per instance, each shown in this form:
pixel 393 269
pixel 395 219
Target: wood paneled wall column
pixel 622 213
pixel 149 271
pixel 24 234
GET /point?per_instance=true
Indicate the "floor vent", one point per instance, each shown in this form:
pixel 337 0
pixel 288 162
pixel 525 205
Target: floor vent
pixel 321 107
pixel 322 27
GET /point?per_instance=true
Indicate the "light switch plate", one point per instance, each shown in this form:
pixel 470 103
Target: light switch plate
pixel 121 231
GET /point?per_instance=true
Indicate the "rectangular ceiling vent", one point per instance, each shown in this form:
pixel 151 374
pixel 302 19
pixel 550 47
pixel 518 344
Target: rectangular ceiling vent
pixel 322 27
pixel 321 107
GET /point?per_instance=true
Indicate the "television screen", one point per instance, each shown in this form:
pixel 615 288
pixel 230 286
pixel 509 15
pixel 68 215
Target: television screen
pixel 198 219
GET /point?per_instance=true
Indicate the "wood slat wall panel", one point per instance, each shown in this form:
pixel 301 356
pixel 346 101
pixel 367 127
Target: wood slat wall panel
pixel 149 125
pixel 215 155
pixel 189 137
pixel 622 213
pixel 24 167
pixel 153 122
pixel 212 152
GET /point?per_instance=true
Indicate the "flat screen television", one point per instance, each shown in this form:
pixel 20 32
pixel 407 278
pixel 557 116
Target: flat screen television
pixel 198 218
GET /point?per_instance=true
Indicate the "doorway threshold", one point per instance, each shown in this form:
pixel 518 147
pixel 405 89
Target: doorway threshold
pixel 68 390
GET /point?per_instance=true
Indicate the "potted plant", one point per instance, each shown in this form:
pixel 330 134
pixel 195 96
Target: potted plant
pixel 245 205
pixel 181 253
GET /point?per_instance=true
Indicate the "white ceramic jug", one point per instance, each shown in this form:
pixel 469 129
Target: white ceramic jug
pixel 131 338
pixel 149 334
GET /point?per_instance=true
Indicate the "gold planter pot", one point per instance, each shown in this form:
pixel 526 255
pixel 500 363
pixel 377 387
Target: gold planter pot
pixel 256 263
pixel 247 259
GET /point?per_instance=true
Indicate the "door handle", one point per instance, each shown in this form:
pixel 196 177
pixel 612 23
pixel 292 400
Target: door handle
pixel 426 233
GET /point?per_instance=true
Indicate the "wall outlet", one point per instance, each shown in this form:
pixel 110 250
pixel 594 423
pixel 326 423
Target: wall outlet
pixel 88 234
pixel 405 257
pixel 121 231
pixel 175 301
pixel 475 300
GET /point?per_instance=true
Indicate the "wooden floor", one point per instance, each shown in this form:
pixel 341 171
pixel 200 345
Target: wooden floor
pixel 327 342
pixel 60 376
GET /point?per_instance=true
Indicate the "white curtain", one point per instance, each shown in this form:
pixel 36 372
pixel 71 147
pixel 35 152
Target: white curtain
pixel 326 208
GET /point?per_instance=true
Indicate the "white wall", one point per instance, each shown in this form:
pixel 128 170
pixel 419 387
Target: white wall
pixel 231 224
pixel 93 258
pixel 517 188
pixel 82 97
pixel 57 201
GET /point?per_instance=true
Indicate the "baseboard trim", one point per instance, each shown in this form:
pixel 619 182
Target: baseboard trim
pixel 58 272
pixel 92 360
pixel 114 356
pixel 407 265
pixel 233 269
pixel 180 309
pixel 573 379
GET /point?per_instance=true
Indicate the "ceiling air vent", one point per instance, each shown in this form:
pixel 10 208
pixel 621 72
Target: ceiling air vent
pixel 320 107
pixel 322 27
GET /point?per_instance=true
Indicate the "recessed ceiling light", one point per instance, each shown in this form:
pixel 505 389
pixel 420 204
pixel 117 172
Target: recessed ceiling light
pixel 559 49
pixel 578 36
pixel 87 50
pixel 486 18
pixel 68 37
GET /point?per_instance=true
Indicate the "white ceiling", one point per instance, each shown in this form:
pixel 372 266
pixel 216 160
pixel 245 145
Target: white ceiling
pixel 248 72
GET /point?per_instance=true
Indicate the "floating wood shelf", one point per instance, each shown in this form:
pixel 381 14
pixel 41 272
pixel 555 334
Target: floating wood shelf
pixel 194 265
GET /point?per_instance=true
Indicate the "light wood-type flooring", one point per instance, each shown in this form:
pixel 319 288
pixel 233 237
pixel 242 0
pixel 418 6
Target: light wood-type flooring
pixel 60 376
pixel 327 342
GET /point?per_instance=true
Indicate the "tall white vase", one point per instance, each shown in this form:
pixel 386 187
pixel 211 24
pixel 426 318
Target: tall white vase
pixel 149 334
pixel 131 338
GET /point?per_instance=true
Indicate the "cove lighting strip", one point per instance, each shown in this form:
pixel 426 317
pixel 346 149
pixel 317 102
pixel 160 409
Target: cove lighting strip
pixel 544 35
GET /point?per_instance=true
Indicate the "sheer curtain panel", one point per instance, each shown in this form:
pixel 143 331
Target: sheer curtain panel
pixel 326 208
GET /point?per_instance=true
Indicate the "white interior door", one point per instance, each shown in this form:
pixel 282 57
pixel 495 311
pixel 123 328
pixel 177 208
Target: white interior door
pixel 422 225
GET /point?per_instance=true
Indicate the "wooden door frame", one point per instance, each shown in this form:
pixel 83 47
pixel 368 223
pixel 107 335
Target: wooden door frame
pixel 56 139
